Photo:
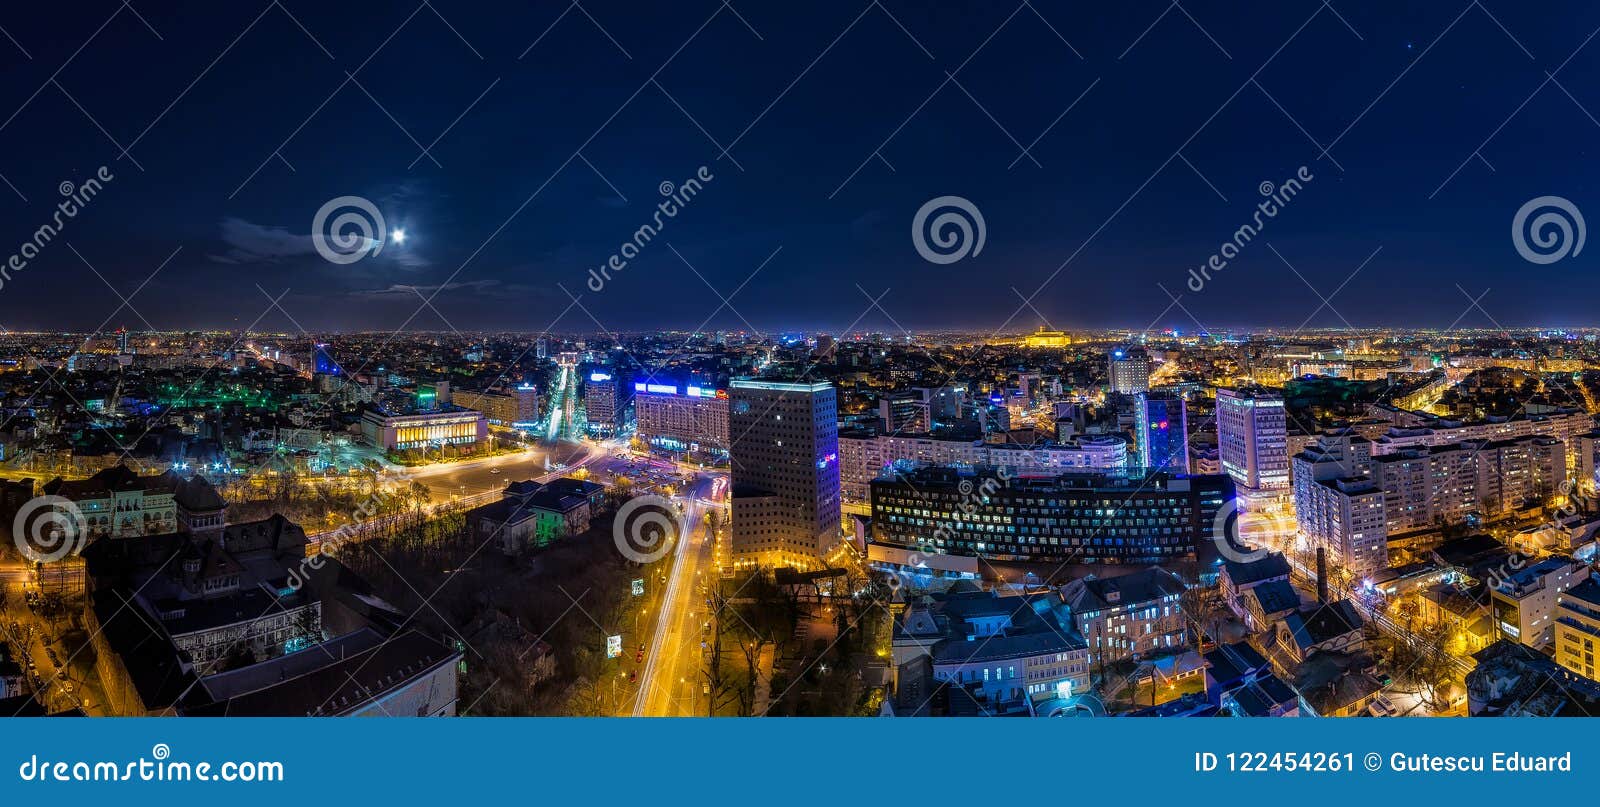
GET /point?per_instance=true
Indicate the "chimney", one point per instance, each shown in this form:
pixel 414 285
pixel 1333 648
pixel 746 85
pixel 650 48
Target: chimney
pixel 1322 576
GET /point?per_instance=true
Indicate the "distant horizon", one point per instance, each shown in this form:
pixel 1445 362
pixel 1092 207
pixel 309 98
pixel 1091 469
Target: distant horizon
pixel 1272 330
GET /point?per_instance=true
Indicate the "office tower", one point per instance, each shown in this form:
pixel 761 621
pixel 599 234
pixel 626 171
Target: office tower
pixel 945 404
pixel 1163 432
pixel 903 413
pixel 541 348
pixel 1252 439
pixel 322 360
pixel 1129 371
pixel 785 462
pixel 122 341
pixel 605 402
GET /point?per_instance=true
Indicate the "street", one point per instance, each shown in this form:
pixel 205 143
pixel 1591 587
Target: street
pixel 671 684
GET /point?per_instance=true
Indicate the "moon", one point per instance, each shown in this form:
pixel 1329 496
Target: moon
pixel 399 236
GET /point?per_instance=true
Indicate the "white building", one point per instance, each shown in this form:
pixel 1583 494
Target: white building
pixel 1337 505
pixel 1252 439
pixel 1522 602
pixel 1128 371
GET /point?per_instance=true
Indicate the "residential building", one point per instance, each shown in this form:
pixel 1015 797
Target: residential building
pixel 1522 601
pixel 1577 627
pixel 1012 655
pixel 1430 486
pixel 1333 626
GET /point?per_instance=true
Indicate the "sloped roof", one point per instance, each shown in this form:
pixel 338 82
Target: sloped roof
pixel 1265 568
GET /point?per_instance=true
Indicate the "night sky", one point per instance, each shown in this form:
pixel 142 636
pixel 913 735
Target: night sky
pixel 840 120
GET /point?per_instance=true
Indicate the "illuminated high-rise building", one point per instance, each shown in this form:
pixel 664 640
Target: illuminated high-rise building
pixel 1252 439
pixel 605 402
pixel 785 462
pixel 322 361
pixel 1128 370
pixel 1163 432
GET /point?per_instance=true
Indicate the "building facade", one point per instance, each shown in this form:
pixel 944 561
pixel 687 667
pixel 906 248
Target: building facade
pixel 1163 432
pixel 681 417
pixel 518 406
pixel 457 427
pixel 605 403
pixel 864 457
pixel 1079 518
pixel 785 456
pixel 1252 439
pixel 1128 371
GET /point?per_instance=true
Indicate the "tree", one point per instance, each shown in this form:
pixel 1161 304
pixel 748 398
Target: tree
pixel 763 615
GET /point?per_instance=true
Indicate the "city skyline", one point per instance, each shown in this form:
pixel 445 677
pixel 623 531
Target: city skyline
pixel 859 358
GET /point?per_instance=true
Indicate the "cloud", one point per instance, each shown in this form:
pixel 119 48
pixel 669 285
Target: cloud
pixel 255 243
pixel 249 243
